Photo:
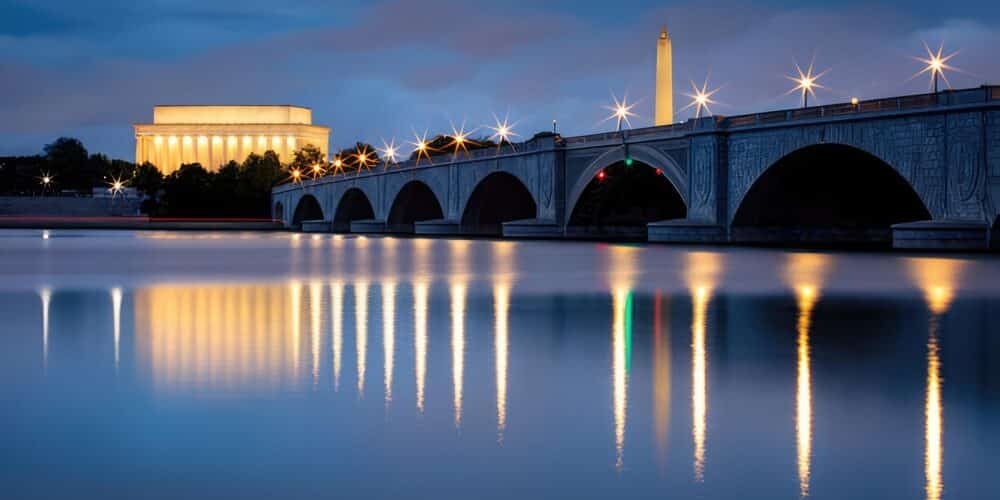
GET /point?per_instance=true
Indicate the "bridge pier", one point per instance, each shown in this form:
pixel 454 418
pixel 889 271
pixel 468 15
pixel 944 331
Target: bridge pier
pixel 686 231
pixel 941 235
pixel 440 227
pixel 532 228
pixel 368 226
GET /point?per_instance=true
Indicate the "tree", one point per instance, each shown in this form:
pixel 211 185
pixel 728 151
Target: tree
pixel 306 157
pixel 187 192
pixel 67 160
pixel 147 179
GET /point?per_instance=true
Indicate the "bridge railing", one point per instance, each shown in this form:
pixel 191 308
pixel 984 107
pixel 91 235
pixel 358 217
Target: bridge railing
pixel 507 149
pixel 903 103
pixel 676 128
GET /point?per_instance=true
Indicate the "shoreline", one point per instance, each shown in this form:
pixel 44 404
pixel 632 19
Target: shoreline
pixel 139 223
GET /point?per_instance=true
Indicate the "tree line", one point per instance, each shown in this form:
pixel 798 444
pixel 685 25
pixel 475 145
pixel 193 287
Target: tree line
pixel 237 189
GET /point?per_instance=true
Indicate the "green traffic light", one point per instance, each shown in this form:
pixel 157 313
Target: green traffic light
pixel 628 162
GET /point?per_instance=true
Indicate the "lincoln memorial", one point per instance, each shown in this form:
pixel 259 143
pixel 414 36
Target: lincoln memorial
pixel 215 135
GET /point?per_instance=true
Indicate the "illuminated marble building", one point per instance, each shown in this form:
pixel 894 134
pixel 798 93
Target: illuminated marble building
pixel 214 135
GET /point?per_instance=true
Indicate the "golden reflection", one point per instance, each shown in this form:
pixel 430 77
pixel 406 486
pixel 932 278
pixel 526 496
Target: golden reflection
pixel 806 273
pixel 504 261
pixel 389 260
pixel 46 296
pixel 661 375
pixel 934 420
pixel 807 296
pixel 420 292
pixel 703 269
pixel 623 266
pixel 619 368
pixel 501 309
pixel 388 335
pixel 315 322
pixel 458 345
pixel 116 312
pixel 460 269
pixel 807 270
pixel 422 268
pixel 699 374
pixel 337 327
pixel 703 272
pixel 361 331
pixel 217 337
pixel 295 292
pixel 460 264
pixel 938 279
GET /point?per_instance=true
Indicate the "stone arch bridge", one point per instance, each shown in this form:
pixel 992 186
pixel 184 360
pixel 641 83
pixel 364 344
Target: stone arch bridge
pixel 919 171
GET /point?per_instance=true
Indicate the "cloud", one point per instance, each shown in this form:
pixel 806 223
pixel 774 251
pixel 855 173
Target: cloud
pixel 379 70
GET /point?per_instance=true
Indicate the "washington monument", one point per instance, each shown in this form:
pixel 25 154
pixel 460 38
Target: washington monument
pixel 664 80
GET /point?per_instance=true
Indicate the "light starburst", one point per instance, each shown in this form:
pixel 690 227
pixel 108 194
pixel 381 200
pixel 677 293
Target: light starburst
pixel 364 159
pixel 116 186
pixel 317 170
pixel 460 139
pixel 701 98
pixel 296 175
pixel 389 152
pixel 621 111
pixel 503 131
pixel 806 82
pixel 421 146
pixel 338 165
pixel 46 180
pixel 936 63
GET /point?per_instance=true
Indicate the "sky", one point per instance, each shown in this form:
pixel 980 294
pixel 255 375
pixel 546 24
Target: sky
pixel 377 70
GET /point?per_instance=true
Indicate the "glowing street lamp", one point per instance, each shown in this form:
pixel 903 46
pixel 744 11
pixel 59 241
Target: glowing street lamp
pixel 421 146
pixel 317 171
pixel 296 175
pixel 116 187
pixel 621 111
pixel 701 98
pixel 389 152
pixel 936 63
pixel 362 158
pixel 45 180
pixel 806 82
pixel 338 165
pixel 460 139
pixel 503 131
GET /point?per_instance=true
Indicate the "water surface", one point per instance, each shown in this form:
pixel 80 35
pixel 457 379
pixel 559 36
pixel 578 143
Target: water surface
pixel 254 365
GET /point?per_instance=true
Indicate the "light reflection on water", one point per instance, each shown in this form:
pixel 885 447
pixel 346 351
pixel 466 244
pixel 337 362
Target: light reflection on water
pixel 479 320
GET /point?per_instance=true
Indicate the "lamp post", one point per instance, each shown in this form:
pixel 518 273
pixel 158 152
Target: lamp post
pixel 806 82
pixel 620 112
pixel 936 63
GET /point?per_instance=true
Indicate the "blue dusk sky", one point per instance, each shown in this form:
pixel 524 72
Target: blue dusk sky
pixel 378 70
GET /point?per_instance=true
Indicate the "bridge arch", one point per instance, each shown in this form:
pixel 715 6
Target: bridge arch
pixel 826 193
pixel 497 198
pixel 308 208
pixel 414 202
pixel 643 154
pixel 354 205
pixel 621 198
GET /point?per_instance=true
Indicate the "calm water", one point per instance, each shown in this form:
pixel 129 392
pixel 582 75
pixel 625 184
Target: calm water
pixel 174 365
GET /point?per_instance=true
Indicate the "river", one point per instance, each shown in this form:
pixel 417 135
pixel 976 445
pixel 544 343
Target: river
pixel 280 365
